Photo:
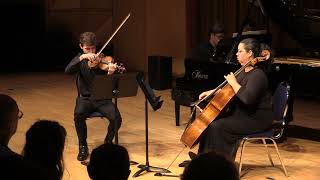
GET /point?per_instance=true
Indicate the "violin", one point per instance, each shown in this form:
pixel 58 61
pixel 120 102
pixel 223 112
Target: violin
pixel 104 62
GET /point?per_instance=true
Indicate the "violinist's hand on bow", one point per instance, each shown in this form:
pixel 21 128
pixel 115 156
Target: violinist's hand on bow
pixel 89 56
pixel 232 81
pixel 93 61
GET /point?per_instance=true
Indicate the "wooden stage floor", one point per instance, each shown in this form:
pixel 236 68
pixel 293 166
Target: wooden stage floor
pixel 52 96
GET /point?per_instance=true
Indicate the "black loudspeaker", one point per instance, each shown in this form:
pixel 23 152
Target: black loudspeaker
pixel 160 72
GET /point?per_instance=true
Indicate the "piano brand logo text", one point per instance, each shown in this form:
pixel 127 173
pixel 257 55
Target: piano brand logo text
pixel 198 75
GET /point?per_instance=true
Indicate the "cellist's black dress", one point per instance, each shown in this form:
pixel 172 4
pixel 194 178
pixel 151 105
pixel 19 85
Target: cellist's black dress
pixel 252 113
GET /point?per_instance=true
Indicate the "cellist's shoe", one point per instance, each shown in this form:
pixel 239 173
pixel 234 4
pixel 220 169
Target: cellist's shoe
pixel 185 163
pixel 192 155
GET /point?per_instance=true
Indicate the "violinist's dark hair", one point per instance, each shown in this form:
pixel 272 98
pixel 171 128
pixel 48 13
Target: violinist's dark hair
pixel 88 38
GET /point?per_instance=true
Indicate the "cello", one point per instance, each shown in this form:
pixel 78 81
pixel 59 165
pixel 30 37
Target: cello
pixel 221 97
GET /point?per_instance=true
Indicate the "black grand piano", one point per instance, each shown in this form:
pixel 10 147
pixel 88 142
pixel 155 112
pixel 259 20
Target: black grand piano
pixel 297 67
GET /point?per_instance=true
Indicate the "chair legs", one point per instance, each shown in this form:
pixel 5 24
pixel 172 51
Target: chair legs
pixel 244 143
pixel 279 156
pixel 266 146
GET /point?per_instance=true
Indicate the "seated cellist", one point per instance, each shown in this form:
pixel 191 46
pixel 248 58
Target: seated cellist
pixel 251 112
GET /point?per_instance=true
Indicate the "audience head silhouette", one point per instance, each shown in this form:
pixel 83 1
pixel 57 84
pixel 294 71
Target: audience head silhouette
pixel 13 166
pixel 210 166
pixel 44 145
pixel 109 161
pixel 9 115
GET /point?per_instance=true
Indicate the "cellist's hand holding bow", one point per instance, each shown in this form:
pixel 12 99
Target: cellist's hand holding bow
pixel 208 93
pixel 205 94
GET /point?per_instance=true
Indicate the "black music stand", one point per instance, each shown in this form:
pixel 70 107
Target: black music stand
pixel 115 86
pixel 156 103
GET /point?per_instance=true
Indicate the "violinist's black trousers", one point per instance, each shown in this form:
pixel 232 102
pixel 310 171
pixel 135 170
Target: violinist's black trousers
pixel 85 106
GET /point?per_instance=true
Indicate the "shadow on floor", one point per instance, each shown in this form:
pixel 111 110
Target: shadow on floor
pixel 303 133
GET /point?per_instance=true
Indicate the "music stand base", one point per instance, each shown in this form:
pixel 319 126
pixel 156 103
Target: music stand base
pixel 150 169
pixel 164 174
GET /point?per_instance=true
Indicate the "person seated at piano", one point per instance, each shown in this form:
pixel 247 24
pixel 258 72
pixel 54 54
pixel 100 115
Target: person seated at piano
pixel 207 51
pixel 251 107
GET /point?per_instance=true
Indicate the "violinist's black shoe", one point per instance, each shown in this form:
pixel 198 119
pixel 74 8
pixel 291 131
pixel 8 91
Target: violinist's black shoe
pixel 83 152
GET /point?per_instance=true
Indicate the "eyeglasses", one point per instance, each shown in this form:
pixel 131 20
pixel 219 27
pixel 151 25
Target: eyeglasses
pixel 20 114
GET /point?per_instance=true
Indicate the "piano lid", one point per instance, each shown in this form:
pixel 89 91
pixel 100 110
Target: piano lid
pixel 257 33
pixel 301 25
pixel 311 62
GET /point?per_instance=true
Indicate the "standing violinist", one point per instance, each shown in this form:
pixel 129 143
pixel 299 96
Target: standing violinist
pixel 86 66
pixel 252 111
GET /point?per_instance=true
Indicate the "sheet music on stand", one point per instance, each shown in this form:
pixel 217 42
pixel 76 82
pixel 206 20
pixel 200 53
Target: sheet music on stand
pixel 114 86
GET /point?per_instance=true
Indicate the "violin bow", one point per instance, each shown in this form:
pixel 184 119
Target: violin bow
pixel 114 33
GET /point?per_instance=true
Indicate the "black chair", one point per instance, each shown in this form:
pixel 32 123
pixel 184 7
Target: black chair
pixel 280 99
